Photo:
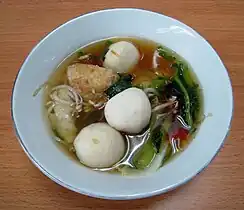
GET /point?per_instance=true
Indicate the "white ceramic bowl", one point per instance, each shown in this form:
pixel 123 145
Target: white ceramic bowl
pixel 43 59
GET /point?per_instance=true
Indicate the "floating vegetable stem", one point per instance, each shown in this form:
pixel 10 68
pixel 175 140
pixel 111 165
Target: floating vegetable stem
pixel 44 85
pixel 144 157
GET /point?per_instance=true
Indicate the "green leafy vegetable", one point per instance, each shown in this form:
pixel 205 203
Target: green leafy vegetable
pixel 191 92
pixel 186 109
pixel 180 84
pixel 165 54
pixel 124 82
pixel 184 74
pixel 108 43
pixel 195 102
pixel 44 85
pixel 80 53
pixel 153 145
pixel 145 156
pixel 159 83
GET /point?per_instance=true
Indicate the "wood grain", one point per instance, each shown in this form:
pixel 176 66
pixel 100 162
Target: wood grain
pixel 23 23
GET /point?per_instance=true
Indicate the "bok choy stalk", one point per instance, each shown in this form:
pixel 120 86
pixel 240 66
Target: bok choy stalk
pixel 155 164
pixel 144 157
pixel 153 145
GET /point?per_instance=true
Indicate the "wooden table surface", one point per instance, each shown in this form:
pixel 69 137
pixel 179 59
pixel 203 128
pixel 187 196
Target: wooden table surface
pixel 24 22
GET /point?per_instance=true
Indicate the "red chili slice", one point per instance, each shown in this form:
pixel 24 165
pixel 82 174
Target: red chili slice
pixel 181 134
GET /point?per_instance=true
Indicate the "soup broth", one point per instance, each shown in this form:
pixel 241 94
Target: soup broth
pixel 163 75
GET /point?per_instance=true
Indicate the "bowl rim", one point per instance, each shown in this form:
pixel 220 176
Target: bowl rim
pixel 94 194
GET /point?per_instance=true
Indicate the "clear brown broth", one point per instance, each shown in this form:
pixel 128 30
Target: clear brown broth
pixel 142 72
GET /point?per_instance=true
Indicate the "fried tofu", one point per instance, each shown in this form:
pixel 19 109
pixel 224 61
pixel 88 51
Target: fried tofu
pixel 90 80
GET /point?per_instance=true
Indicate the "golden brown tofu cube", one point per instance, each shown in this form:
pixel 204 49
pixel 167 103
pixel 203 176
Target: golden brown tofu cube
pixel 90 80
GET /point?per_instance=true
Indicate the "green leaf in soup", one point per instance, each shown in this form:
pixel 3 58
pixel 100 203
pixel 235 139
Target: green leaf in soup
pixel 108 43
pixel 153 146
pixel 80 53
pixel 186 112
pixel 44 85
pixel 184 74
pixel 191 93
pixel 180 84
pixel 166 54
pixel 145 156
pixel 159 82
pixel 195 101
pixel 143 85
pixel 124 82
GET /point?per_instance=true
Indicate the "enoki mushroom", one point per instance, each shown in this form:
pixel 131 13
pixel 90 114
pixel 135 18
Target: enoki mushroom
pixel 73 98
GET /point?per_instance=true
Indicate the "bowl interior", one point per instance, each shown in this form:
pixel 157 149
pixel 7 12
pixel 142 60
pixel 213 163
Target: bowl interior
pixel 35 137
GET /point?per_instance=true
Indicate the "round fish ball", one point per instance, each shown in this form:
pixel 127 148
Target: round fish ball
pixel 121 57
pixel 98 145
pixel 128 111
